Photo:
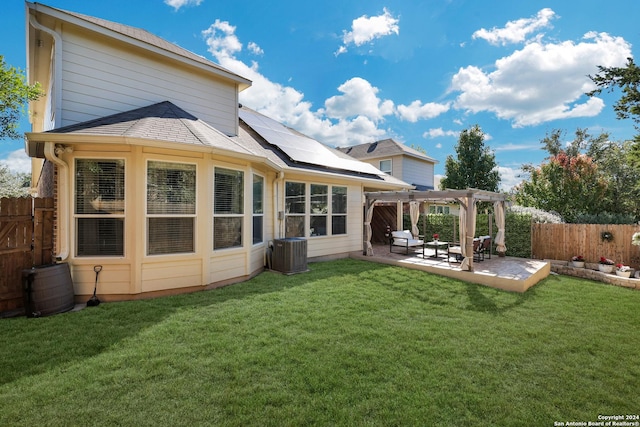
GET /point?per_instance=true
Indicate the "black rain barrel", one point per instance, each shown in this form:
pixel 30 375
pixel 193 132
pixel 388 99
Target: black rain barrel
pixel 48 290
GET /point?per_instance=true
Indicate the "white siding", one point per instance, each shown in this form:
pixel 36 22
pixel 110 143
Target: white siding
pixel 99 80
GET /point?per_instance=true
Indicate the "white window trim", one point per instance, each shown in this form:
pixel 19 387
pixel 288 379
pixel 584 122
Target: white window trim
pixel 390 172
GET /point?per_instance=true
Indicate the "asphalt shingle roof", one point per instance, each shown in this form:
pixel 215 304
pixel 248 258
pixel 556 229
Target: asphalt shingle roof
pixel 163 121
pixel 383 148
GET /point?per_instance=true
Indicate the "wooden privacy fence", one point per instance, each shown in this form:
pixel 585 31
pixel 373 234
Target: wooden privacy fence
pixel 26 240
pixel 562 241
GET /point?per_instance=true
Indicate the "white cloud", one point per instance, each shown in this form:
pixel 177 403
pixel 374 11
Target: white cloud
pixel 221 39
pixel 509 177
pixel 541 82
pixel 365 29
pixel 358 98
pixel 349 118
pixel 516 31
pixel 17 161
pixel 417 110
pixel 177 4
pixel 439 132
pixel 255 49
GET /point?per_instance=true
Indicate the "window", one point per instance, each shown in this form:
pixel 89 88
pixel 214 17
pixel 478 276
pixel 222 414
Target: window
pixel 319 210
pixel 439 209
pixel 295 209
pixel 386 166
pixel 171 207
pixel 258 209
pixel 99 207
pixel 228 208
pixel 339 210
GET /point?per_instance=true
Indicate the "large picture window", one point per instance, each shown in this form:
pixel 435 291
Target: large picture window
pixel 324 216
pixel 171 207
pixel 99 207
pixel 295 209
pixel 258 209
pixel 339 210
pixel 228 208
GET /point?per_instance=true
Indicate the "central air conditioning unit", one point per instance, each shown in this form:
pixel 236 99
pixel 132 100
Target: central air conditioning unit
pixel 289 255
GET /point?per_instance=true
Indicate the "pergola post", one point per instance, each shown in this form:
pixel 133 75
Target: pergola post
pixel 470 228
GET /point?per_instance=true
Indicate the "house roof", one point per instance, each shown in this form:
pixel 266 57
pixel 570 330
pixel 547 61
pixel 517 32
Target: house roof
pixel 384 148
pixel 136 36
pixel 270 144
pixel 163 121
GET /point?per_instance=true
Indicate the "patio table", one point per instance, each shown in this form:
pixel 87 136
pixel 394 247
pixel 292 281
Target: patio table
pixel 434 244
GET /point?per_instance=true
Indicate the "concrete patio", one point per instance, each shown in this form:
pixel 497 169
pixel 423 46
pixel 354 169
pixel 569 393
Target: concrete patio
pixel 506 273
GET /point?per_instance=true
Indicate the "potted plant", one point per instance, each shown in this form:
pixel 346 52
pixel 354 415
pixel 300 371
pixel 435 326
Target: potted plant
pixel 435 237
pixel 606 265
pixel 577 261
pixel 623 270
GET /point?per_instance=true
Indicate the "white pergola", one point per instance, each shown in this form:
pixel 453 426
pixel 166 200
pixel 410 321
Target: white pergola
pixel 467 222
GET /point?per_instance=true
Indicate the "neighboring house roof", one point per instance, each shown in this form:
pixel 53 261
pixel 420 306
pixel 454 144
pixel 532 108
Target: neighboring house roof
pixel 384 148
pixel 134 34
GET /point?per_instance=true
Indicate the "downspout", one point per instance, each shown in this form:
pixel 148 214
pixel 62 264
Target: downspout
pixel 51 153
pixel 57 63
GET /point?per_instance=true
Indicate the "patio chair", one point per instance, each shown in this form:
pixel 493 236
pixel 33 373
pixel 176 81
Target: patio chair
pixel 456 251
pixel 404 239
pixel 483 247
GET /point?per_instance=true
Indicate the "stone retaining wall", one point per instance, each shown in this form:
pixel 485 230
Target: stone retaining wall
pixel 591 272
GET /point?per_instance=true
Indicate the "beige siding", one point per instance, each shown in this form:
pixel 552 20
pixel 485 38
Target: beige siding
pixel 227 264
pixel 115 278
pixel 162 275
pixel 100 79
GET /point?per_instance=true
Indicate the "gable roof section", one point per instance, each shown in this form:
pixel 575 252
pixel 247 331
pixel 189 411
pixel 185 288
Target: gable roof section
pixel 138 36
pixel 384 148
pixel 163 121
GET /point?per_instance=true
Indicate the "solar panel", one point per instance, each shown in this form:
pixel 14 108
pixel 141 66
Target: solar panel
pixel 300 148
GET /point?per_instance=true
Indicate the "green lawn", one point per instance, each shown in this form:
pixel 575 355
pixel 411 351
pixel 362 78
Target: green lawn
pixel 348 343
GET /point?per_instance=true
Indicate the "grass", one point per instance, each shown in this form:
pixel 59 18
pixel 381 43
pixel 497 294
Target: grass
pixel 349 343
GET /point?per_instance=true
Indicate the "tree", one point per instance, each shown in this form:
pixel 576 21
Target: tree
pixel 587 176
pixel 14 93
pixel 627 79
pixel 13 184
pixel 475 166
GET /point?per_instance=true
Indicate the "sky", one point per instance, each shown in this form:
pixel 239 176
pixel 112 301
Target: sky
pixel 347 72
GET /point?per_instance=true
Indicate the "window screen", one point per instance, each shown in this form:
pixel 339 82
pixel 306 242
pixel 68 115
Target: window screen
pixel 258 209
pixel 295 209
pixel 99 207
pixel 171 207
pixel 228 208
